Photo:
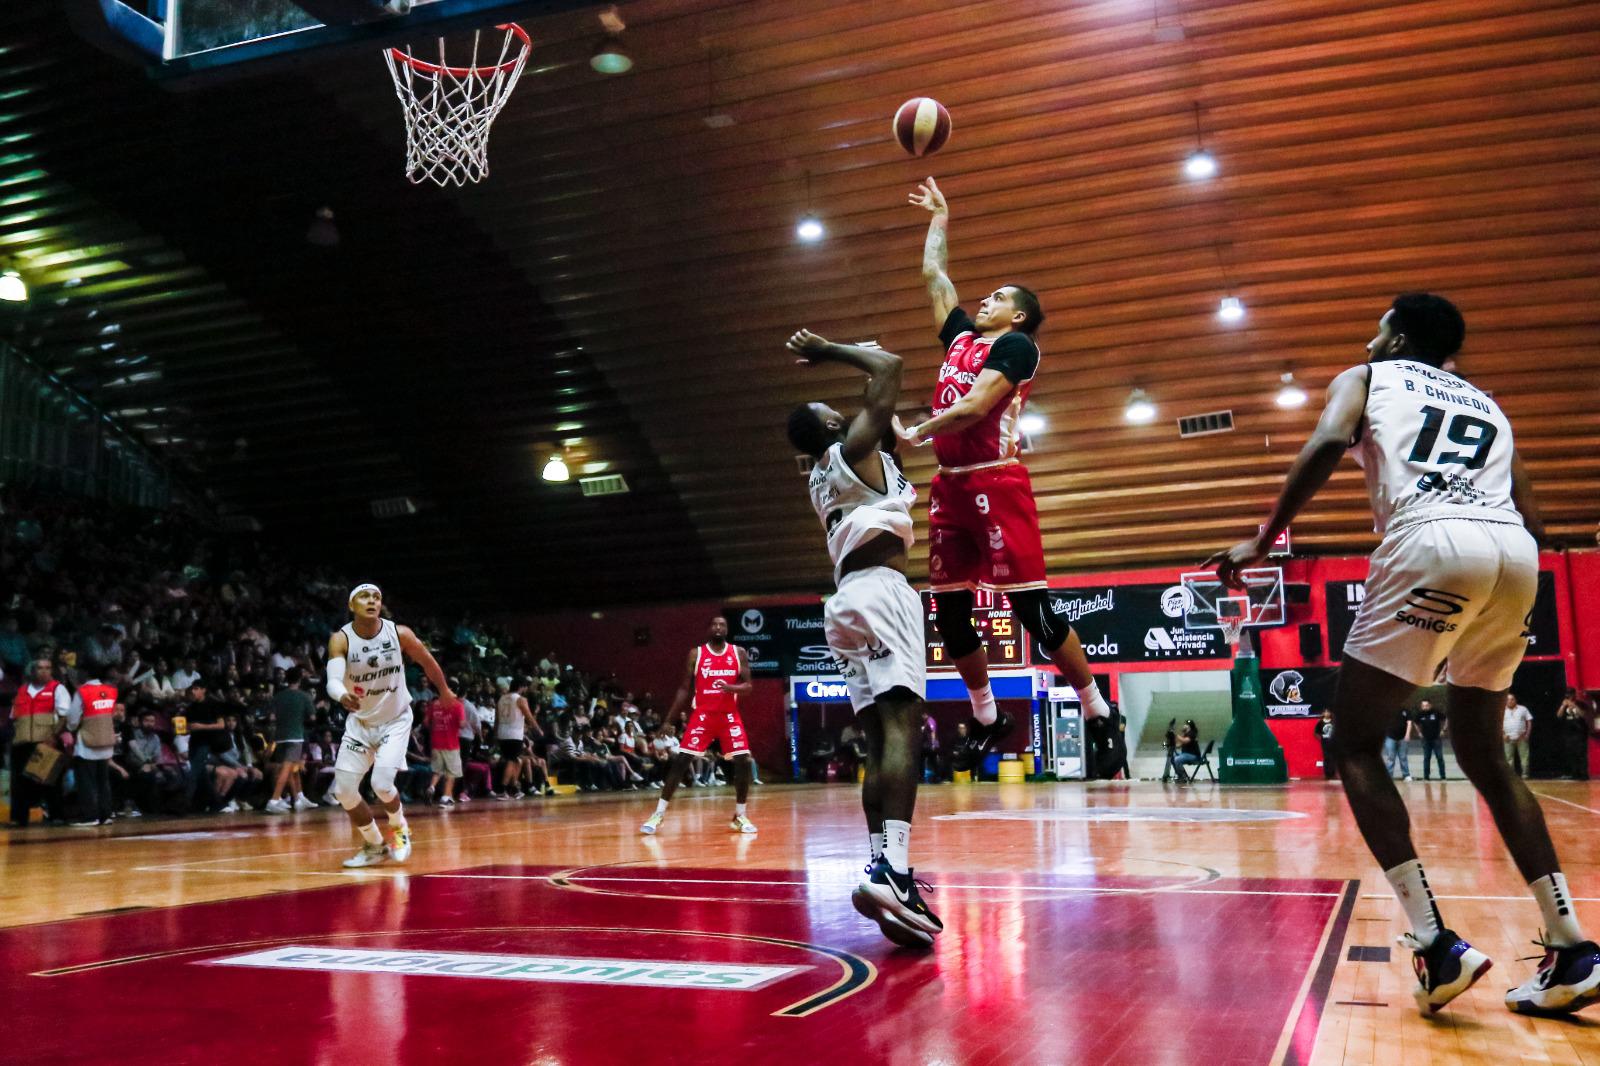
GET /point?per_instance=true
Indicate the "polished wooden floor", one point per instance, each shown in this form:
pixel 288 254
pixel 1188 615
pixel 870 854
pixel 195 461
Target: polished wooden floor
pixel 1071 843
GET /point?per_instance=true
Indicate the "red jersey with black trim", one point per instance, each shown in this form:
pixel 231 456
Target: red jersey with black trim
pixel 997 436
pixel 709 668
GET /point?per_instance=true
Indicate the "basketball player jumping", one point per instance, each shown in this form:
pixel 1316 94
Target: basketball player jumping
pixel 717 675
pixel 1453 579
pixel 367 676
pixel 874 622
pixel 983 525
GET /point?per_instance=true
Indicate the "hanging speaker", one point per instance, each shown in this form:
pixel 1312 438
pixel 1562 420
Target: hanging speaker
pixel 1310 640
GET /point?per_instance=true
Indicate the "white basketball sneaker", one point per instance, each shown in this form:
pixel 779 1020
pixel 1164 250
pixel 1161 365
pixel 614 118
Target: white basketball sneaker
pixel 369 855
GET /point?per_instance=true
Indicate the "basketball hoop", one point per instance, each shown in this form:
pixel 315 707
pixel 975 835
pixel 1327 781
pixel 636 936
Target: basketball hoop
pixel 449 109
pixel 1232 613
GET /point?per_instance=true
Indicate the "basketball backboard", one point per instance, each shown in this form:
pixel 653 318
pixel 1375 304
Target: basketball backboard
pixel 1260 602
pixel 188 42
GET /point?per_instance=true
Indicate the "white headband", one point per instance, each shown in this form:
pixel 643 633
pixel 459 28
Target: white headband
pixel 359 589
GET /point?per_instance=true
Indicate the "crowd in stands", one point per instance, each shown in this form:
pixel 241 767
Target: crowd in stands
pixel 175 670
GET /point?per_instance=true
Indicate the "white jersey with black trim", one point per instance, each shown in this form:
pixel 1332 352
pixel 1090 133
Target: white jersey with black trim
pixel 853 512
pixel 1433 446
pixel 375 673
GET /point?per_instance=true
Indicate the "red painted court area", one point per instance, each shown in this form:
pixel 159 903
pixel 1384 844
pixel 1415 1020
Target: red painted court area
pixel 647 963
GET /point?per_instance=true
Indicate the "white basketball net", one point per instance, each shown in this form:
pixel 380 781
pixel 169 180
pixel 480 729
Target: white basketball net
pixel 449 109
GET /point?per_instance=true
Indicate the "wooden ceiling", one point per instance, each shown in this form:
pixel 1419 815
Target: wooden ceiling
pixel 642 259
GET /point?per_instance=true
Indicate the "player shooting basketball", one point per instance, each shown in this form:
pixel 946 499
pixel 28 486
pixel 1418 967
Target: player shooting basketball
pixel 983 524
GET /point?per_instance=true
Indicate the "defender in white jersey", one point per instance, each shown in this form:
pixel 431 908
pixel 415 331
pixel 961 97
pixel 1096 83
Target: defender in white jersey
pixel 367 676
pixel 874 622
pixel 1452 582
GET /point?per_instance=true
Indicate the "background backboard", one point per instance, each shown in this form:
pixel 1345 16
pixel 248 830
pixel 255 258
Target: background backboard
pixel 1263 594
pixel 187 42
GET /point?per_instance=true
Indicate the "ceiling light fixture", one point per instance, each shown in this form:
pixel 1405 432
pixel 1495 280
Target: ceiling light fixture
pixel 1139 410
pixel 1031 423
pixel 1201 164
pixel 1290 395
pixel 556 470
pixel 12 288
pixel 810 229
pixel 608 56
pixel 1231 309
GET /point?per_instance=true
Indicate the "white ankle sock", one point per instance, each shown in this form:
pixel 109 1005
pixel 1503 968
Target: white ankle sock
pixel 876 840
pixel 371 833
pixel 661 806
pixel 1555 904
pixel 738 810
pixel 1094 705
pixel 984 709
pixel 397 818
pixel 1410 886
pixel 897 845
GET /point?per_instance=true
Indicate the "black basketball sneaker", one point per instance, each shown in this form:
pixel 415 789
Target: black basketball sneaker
pixel 1568 980
pixel 1445 969
pixel 988 735
pixel 895 903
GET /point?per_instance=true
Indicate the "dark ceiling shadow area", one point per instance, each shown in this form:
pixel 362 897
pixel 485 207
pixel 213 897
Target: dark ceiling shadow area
pixel 442 354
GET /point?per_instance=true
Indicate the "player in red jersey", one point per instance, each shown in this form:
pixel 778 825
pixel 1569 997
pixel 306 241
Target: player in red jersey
pixel 718 673
pixel 983 525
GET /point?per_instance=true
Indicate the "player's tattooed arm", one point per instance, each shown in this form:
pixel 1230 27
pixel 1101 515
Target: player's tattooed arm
pixel 936 251
pixel 991 388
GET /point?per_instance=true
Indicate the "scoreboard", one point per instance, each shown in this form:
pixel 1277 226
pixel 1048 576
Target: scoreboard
pixel 996 624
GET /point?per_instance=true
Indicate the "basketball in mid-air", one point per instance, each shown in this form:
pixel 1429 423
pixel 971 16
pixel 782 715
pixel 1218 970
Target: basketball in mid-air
pixel 922 125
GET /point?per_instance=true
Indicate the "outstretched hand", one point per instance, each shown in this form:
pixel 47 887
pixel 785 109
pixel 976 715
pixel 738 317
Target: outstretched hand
pixel 808 346
pixel 929 196
pixel 907 436
pixel 1230 561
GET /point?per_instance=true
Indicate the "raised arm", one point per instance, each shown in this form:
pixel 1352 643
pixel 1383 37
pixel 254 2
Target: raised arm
pixel 1341 417
pixel 883 369
pixel 936 251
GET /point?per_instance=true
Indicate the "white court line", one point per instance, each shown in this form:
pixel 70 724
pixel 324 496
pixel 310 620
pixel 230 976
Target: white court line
pixel 184 867
pixel 997 889
pixel 1487 899
pixel 1558 799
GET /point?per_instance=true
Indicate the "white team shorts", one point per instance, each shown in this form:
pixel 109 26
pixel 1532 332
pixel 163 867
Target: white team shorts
pixel 873 625
pixel 364 747
pixel 1456 589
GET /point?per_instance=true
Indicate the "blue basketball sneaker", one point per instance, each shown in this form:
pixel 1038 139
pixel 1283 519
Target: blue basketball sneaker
pixel 1445 969
pixel 1568 980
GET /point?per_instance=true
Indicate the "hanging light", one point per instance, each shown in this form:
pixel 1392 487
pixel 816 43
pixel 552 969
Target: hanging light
pixel 556 469
pixel 1139 410
pixel 810 229
pixel 12 288
pixel 1031 423
pixel 1231 309
pixel 609 58
pixel 1290 395
pixel 1199 166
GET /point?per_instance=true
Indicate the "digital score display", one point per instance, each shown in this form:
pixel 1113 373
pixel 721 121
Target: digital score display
pixel 993 618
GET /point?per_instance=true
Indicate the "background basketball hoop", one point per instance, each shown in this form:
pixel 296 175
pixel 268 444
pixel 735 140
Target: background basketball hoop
pixel 449 110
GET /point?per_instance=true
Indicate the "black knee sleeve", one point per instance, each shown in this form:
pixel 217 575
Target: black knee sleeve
pixel 953 619
pixel 1032 608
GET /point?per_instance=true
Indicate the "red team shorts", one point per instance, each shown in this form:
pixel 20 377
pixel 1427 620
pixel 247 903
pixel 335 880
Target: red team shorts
pixel 706 726
pixel 984 531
